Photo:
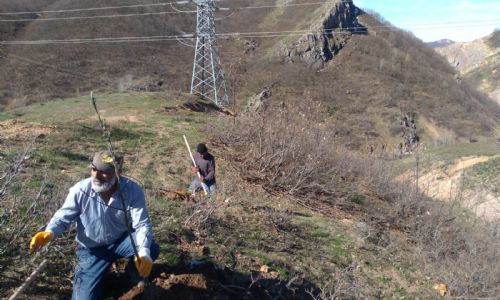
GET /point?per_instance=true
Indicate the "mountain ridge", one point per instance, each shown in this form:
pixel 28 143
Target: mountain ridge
pixel 441 43
pixel 36 73
pixel 478 61
pixel 319 195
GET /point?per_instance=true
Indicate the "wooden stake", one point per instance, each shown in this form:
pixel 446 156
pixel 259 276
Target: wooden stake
pixel 194 164
pixel 28 281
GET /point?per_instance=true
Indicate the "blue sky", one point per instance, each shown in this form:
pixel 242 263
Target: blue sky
pixel 459 20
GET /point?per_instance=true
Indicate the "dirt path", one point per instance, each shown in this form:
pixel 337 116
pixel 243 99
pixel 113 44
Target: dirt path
pixel 447 185
pixel 467 162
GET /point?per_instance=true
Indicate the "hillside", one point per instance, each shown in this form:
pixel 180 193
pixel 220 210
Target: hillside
pixel 369 78
pixel 359 236
pixel 478 62
pixel 317 198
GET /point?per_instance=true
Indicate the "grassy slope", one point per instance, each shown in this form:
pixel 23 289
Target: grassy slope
pixel 462 173
pixel 486 76
pixel 250 229
pixel 448 155
pixel 367 86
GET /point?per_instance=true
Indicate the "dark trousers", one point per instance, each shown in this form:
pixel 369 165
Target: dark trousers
pixel 93 264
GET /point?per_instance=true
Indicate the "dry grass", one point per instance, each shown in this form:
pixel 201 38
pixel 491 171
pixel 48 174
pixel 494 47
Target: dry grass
pixel 367 86
pixel 426 234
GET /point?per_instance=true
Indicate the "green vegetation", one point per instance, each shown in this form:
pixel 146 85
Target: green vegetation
pixel 485 76
pixel 6 116
pixel 253 229
pixel 485 176
pixel 444 156
pixel 57 159
pixel 323 218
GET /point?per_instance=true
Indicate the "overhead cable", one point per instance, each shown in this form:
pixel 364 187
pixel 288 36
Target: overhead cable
pixel 113 7
pixel 177 11
pixel 158 13
pixel 257 34
pixel 95 8
pixel 100 16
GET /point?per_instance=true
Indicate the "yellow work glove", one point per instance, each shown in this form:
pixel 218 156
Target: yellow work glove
pixel 143 265
pixel 40 239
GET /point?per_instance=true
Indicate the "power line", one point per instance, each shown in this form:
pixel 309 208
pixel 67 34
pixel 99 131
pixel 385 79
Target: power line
pixel 255 34
pixel 100 17
pixel 158 37
pixel 158 13
pixel 111 7
pixel 194 11
pixel 99 40
pixel 187 11
pixel 94 8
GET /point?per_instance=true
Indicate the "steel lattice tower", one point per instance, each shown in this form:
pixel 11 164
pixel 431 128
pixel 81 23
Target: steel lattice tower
pixel 208 76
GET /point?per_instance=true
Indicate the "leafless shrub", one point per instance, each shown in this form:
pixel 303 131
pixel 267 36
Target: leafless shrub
pixel 288 149
pixel 343 285
pixel 282 148
pixel 202 216
pixel 449 242
pixel 29 197
pixel 13 168
pixel 455 247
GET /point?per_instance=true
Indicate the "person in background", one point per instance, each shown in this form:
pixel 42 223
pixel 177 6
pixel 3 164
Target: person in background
pixel 205 164
pixel 96 204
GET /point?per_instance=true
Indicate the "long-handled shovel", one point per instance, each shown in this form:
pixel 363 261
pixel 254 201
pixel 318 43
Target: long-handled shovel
pixel 194 164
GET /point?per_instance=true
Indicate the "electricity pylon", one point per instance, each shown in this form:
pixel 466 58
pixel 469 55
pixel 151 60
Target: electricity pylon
pixel 208 76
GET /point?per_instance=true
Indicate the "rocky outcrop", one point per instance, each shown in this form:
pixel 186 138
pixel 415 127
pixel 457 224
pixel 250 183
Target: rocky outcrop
pixel 325 38
pixel 467 56
pixel 478 62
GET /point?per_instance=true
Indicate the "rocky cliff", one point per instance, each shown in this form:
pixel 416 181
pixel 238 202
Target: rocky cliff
pixel 326 37
pixel 466 56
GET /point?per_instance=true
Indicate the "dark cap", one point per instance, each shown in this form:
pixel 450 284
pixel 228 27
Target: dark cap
pixel 202 148
pixel 105 162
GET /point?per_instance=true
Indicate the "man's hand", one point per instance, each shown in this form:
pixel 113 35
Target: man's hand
pixel 202 179
pixel 144 265
pixel 40 239
pixel 194 169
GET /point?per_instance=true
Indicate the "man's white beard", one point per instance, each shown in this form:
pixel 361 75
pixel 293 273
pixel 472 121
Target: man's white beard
pixel 102 187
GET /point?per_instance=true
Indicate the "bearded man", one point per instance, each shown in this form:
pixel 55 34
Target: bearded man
pixel 99 205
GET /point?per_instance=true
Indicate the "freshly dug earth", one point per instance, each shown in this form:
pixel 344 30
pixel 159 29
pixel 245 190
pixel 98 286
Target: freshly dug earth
pixel 205 280
pixel 184 286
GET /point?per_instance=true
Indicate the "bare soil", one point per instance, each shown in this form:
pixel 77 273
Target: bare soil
pixel 446 185
pixel 205 280
pixel 20 132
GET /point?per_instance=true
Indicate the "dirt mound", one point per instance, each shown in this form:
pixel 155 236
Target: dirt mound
pixel 19 133
pixel 200 106
pixel 176 195
pixel 19 129
pixel 205 280
pixel 184 286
